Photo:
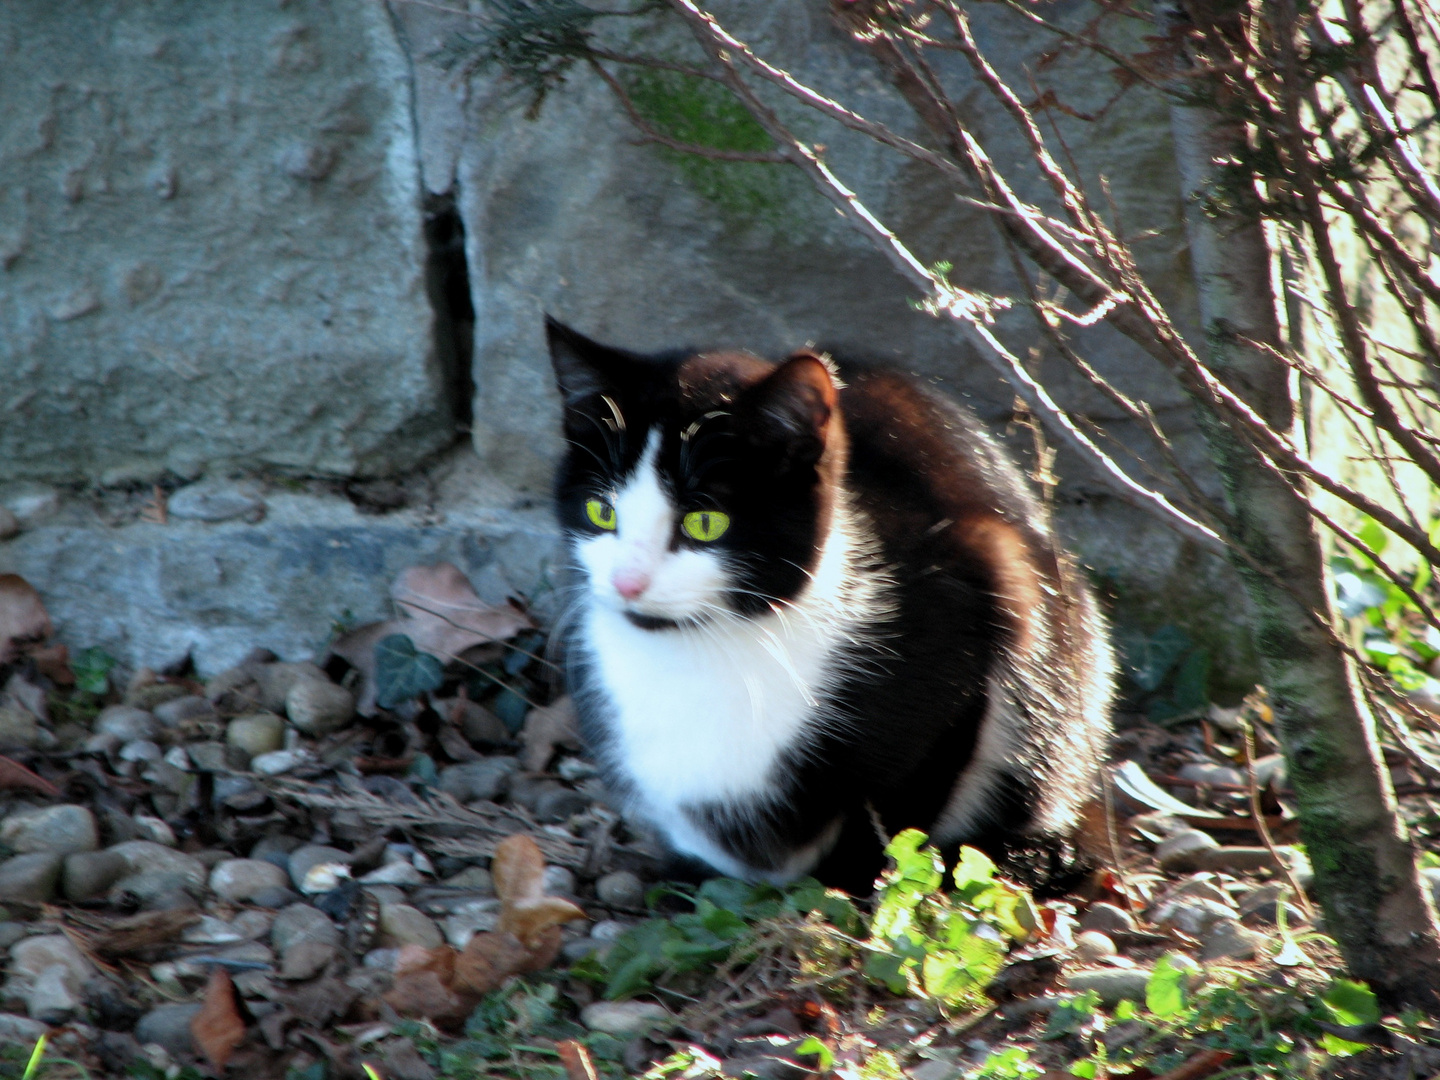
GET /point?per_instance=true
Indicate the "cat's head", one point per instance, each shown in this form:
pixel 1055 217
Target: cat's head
pixel 695 486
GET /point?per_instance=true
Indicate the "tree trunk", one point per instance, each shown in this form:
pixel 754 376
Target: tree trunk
pixel 1375 903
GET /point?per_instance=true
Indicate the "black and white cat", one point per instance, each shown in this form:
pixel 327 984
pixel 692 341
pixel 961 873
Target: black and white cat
pixel 812 608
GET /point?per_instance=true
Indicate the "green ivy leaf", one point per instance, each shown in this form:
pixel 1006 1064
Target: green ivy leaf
pixel 1165 992
pixel 812 1045
pixel 403 672
pixel 92 670
pixel 1335 1046
pixel 1352 1004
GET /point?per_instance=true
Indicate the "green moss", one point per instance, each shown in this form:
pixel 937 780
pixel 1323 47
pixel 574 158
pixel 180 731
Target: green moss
pixel 702 113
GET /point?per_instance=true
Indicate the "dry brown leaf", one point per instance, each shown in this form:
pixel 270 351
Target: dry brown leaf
pixel 444 614
pixel 424 986
pixel 518 869
pixel 217 1028
pixel 14 775
pixel 53 661
pixel 545 729
pixel 439 612
pixel 23 618
pixel 488 959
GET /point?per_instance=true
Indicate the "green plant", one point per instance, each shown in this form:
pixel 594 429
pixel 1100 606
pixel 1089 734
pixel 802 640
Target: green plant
pixel 92 669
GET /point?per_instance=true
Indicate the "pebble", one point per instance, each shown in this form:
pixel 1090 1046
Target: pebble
pixel 238 880
pixel 126 723
pixel 19 730
pixel 620 889
pixel 35 954
pixel 54 996
pixel 30 878
pixel 1114 985
pixel 1262 906
pixel 20 1029
pixel 155 829
pixel 1108 919
pixel 396 873
pixel 141 750
pixel 528 791
pixel 482 726
pixel 168 1026
pixel 245 926
pixel 1193 916
pixel 177 758
pixel 59 829
pixel 276 680
pixel 317 706
pixel 623 1018
pixel 558 879
pixel 608 930
pixel 1230 941
pixel 1204 772
pixel 470 919
pixel 316 868
pixel 381 959
pixel 176 711
pixel 88 874
pixel 1091 946
pixel 301 922
pixel 1179 853
pixel 207 756
pixel 474 879
pixel 401 924
pixel 276 848
pixel 258 733
pixel 488 778
pixel 279 762
pixel 158 874
pixel 306 959
pixel 214 500
pixel 274 896
pixel 1200 887
pixel 554 807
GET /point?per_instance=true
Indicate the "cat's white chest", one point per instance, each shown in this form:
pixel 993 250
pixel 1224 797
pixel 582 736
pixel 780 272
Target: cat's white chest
pixel 703 714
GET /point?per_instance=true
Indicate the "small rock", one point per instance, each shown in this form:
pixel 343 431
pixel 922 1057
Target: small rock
pixel 238 880
pixel 624 1018
pixel 141 750
pixel 1193 917
pixel 126 723
pixel 1114 985
pixel 485 779
pixel 61 830
pixel 19 730
pixel 20 1029
pixel 576 769
pixel 1179 853
pixel 1262 906
pixel 279 762
pixel 935 1070
pixel 1201 886
pixel 177 758
pixel 558 879
pixel 315 868
pixel 301 922
pixel 258 733
pixel 470 919
pixel 207 756
pixel 54 995
pixel 1268 768
pixel 154 829
pixel 1108 919
pixel 215 500
pixel 1091 946
pixel 168 1026
pixel 620 889
pixel 155 694
pixel 176 711
pixel 245 926
pixel 609 930
pixel 401 924
pixel 275 681
pixel 88 874
pixel 276 848
pixel 9 524
pixel 395 873
pixel 158 875
pixel 317 706
pixel 386 894
pixel 554 807
pixel 528 791
pixel 35 954
pixel 1237 860
pixel 274 897
pixel 381 959
pixel 475 879
pixel 306 959
pixel 30 878
pixel 1230 941
pixel 482 726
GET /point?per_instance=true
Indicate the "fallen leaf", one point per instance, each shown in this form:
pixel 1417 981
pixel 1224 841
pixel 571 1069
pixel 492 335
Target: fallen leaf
pixel 217 1028
pixel 14 775
pixel 518 869
pixel 441 615
pixel 576 1060
pixel 23 618
pixel 424 986
pixel 545 729
pixel 446 615
pixel 53 661
pixel 490 958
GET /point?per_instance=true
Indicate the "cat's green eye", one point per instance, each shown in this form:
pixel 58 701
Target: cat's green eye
pixel 705 525
pixel 601 514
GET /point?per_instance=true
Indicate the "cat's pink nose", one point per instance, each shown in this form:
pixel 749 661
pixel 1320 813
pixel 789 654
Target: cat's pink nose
pixel 630 583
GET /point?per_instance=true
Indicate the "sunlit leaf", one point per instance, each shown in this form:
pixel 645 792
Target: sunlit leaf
pixel 1165 992
pixel 1352 1004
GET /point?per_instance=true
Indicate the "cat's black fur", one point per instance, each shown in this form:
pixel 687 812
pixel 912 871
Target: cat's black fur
pixel 985 620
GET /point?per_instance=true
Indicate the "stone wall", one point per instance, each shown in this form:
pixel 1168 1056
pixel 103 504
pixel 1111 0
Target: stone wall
pixel 212 228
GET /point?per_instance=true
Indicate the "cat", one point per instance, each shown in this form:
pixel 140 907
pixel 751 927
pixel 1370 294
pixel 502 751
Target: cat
pixel 816 605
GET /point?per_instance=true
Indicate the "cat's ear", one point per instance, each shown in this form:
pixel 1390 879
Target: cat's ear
pixel 793 407
pixel 582 367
